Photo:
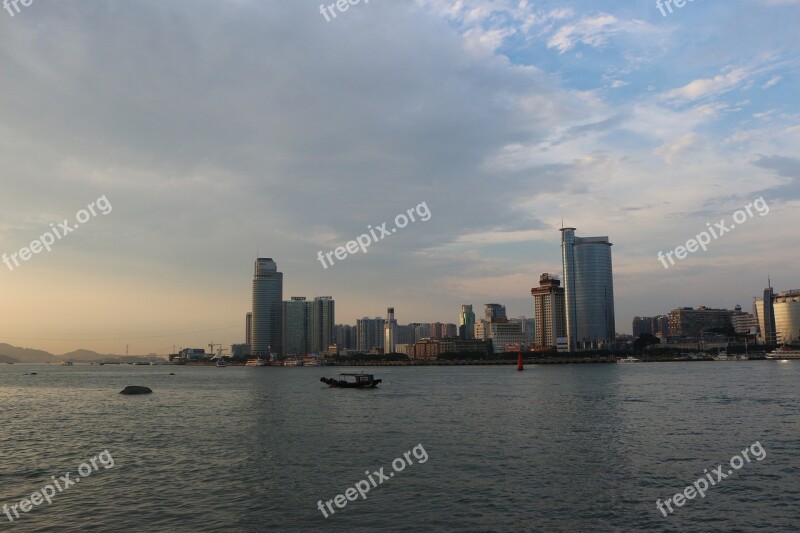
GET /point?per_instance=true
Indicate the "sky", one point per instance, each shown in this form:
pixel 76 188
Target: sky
pixel 211 132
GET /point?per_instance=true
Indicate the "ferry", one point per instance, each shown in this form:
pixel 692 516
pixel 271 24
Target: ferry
pixel 629 359
pixel 256 362
pixel 292 362
pixel 784 353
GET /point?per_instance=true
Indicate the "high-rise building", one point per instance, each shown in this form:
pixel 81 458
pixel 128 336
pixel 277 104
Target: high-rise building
pixel 548 311
pixel 743 323
pixel 527 326
pixel 588 290
pixel 763 310
pixel 437 329
pixel 422 331
pixel 322 323
pixel 267 306
pixel 345 336
pixel 389 331
pixel 661 326
pixel 296 326
pixel 404 335
pixel 643 324
pixel 466 323
pixel 248 328
pixel 786 306
pixel 495 313
pixel 690 322
pixel 500 333
pixel 370 333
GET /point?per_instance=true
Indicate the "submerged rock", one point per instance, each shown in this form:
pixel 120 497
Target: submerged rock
pixel 135 389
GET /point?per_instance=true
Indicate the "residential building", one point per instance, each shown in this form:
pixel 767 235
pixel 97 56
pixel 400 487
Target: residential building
pixel 370 334
pixel 297 326
pixel 548 311
pixel 743 323
pixel 322 323
pixel 690 322
pixel 346 337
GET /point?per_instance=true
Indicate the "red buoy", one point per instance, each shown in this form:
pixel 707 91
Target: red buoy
pixel 519 362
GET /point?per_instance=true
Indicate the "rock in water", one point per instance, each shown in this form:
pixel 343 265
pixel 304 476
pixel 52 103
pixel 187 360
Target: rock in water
pixel 135 389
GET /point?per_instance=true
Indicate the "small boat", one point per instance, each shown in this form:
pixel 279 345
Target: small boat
pixel 292 362
pixel 352 381
pixel 629 359
pixel 66 363
pixel 221 363
pixel 256 362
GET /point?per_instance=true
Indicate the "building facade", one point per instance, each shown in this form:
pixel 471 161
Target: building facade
pixel 370 334
pixel 296 326
pixel 690 322
pixel 786 306
pixel 267 306
pixel 248 328
pixel 389 331
pixel 466 322
pixel 549 312
pixel 322 323
pixel 500 334
pixel 588 290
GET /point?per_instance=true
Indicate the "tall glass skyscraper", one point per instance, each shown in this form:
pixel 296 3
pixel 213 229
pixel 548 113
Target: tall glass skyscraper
pixel 466 322
pixel 267 306
pixel 389 331
pixel 588 290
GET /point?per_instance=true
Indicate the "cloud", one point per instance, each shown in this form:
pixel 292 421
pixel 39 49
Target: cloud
pixel 772 82
pixel 704 88
pixel 671 150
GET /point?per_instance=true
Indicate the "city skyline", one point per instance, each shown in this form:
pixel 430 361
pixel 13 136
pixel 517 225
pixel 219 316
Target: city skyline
pixel 613 119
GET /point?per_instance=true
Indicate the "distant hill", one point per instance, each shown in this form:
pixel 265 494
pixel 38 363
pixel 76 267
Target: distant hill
pixel 15 354
pixel 85 355
pixel 27 355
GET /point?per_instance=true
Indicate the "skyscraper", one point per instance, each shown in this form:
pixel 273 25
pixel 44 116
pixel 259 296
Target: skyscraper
pixel 267 306
pixel 466 323
pixel 495 313
pixel 370 333
pixel 765 312
pixel 548 311
pixel 588 290
pixel 296 326
pixel 389 331
pixel 322 324
pixel 786 308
